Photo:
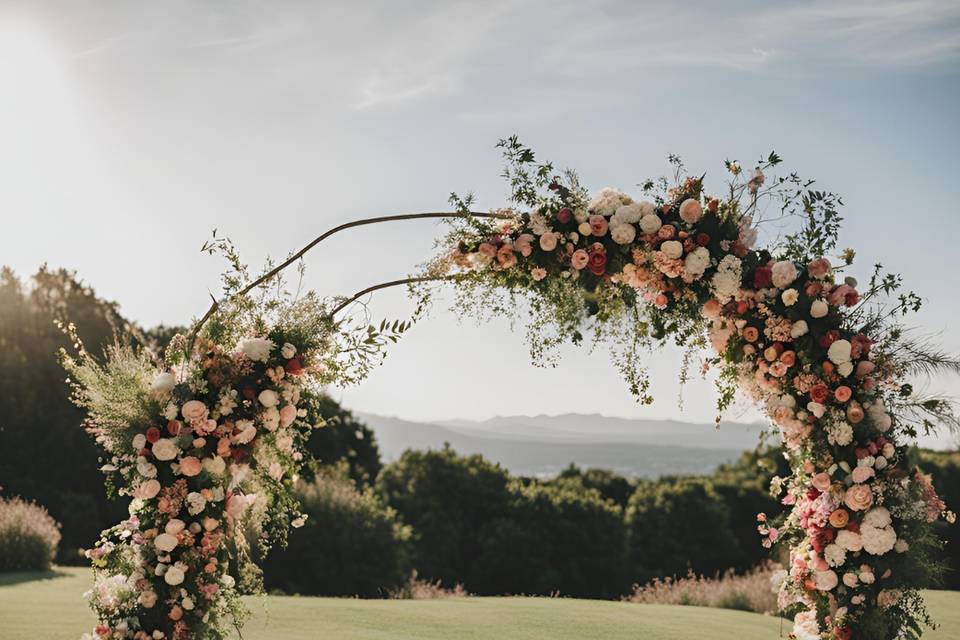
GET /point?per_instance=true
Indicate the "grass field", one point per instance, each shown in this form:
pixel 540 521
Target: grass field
pixel 50 606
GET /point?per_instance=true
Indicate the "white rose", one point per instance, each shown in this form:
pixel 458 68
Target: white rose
pixel 174 576
pixel 845 369
pixel 623 233
pixel 165 449
pixel 783 273
pixel 271 419
pixel 165 542
pixel 851 580
pixel 148 489
pixel 819 308
pixel 672 249
pixel 174 526
pixel 584 229
pixel 147 599
pixel 214 465
pixel 696 263
pixel 629 213
pixel 650 223
pixel 790 297
pixel 163 383
pixel 839 351
pixel 799 329
pixel 268 398
pixel 139 442
pixel 187 603
pixel 825 580
pixel 288 350
pixel 901 547
pixel 877 517
pixel 257 349
pixel 247 432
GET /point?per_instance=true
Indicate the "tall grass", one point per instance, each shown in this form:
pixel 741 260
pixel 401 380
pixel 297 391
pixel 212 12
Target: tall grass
pixel 752 591
pixel 28 536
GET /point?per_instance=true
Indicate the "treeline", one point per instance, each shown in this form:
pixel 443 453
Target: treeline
pixel 450 518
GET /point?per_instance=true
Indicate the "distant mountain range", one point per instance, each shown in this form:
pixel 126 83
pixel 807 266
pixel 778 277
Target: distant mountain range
pixel 544 445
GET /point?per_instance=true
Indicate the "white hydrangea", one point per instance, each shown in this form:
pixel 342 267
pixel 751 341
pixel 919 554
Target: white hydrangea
pixel 696 263
pixel 840 433
pixel 628 214
pixel 672 249
pixel 726 281
pixel 878 536
pixel 623 233
pixel 849 540
pixel 879 416
pixel 257 349
pixel 606 201
pixel 650 223
pixel 835 555
pixel 784 273
pixel 839 352
pixel 799 329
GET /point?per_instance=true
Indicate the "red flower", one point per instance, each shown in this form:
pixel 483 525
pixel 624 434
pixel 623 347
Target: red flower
pixel 153 434
pixel 598 263
pixel 819 393
pixel 249 393
pixel 829 338
pixel 713 205
pixel 294 367
pixel 703 239
pixel 564 215
pixel 762 277
pixel 173 427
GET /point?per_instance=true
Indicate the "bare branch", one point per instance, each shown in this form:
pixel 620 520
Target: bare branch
pixel 385 285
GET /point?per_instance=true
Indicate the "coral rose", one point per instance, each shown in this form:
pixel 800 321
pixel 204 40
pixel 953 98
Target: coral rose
pixel 579 259
pixel 839 518
pixel 819 393
pixel 190 466
pixel 750 334
pixel 690 211
pixel 842 394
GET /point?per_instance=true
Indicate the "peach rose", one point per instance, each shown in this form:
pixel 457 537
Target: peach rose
pixel 194 411
pixel 750 334
pixel 839 518
pixel 821 481
pixel 487 249
pixel 506 257
pixel 549 240
pixel 690 211
pixel 598 225
pixel 788 358
pixel 579 259
pixel 287 415
pixel 523 244
pixel 854 413
pixel 859 497
pixel 711 309
pixel 862 474
pixel 190 466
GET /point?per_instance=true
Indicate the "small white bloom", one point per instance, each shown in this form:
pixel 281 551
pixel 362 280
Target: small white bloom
pixel 257 349
pixel 288 350
pixel 839 351
pixel 650 223
pixel 819 308
pixel 673 249
pixel 165 542
pixel 268 398
pixel 790 297
pixel 163 383
pixel 799 329
pixel 215 465
pixel 139 442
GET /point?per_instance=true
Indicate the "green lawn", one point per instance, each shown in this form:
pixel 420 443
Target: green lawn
pixel 50 606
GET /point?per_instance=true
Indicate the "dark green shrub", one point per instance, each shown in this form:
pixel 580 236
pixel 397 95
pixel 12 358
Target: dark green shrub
pixel 350 545
pixel 28 536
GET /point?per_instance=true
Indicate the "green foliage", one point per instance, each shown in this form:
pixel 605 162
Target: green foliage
pixel 447 499
pixel 677 526
pixel 28 536
pixel 350 545
pixel 44 454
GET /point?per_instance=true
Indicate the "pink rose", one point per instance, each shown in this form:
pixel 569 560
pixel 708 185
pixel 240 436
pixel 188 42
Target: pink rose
pixel 821 481
pixel 842 393
pixel 523 244
pixel 690 211
pixel 859 497
pixel 487 249
pixel 147 490
pixel 538 273
pixel 862 474
pixel 506 257
pixel 865 368
pixel 854 413
pixel 287 415
pixel 598 225
pixel 818 268
pixel 579 259
pixel 711 309
pixel 190 466
pixel 194 411
pixel 564 215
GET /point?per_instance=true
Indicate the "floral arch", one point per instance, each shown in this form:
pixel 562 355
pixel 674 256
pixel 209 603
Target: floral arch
pixel 207 440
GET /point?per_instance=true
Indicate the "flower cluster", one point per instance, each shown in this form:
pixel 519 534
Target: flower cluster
pixel 788 330
pixel 223 434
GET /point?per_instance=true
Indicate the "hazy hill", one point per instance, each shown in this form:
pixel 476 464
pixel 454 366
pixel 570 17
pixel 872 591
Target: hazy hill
pixel 543 445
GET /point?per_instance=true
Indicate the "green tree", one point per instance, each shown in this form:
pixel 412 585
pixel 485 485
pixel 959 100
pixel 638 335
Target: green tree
pixel 342 438
pixel 558 537
pixel 676 525
pixel 447 499
pixel 45 455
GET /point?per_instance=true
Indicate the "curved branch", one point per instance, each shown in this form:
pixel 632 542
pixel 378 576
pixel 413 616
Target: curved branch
pixel 299 254
pixel 384 285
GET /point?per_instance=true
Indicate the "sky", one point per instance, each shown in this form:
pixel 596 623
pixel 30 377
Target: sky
pixel 129 131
